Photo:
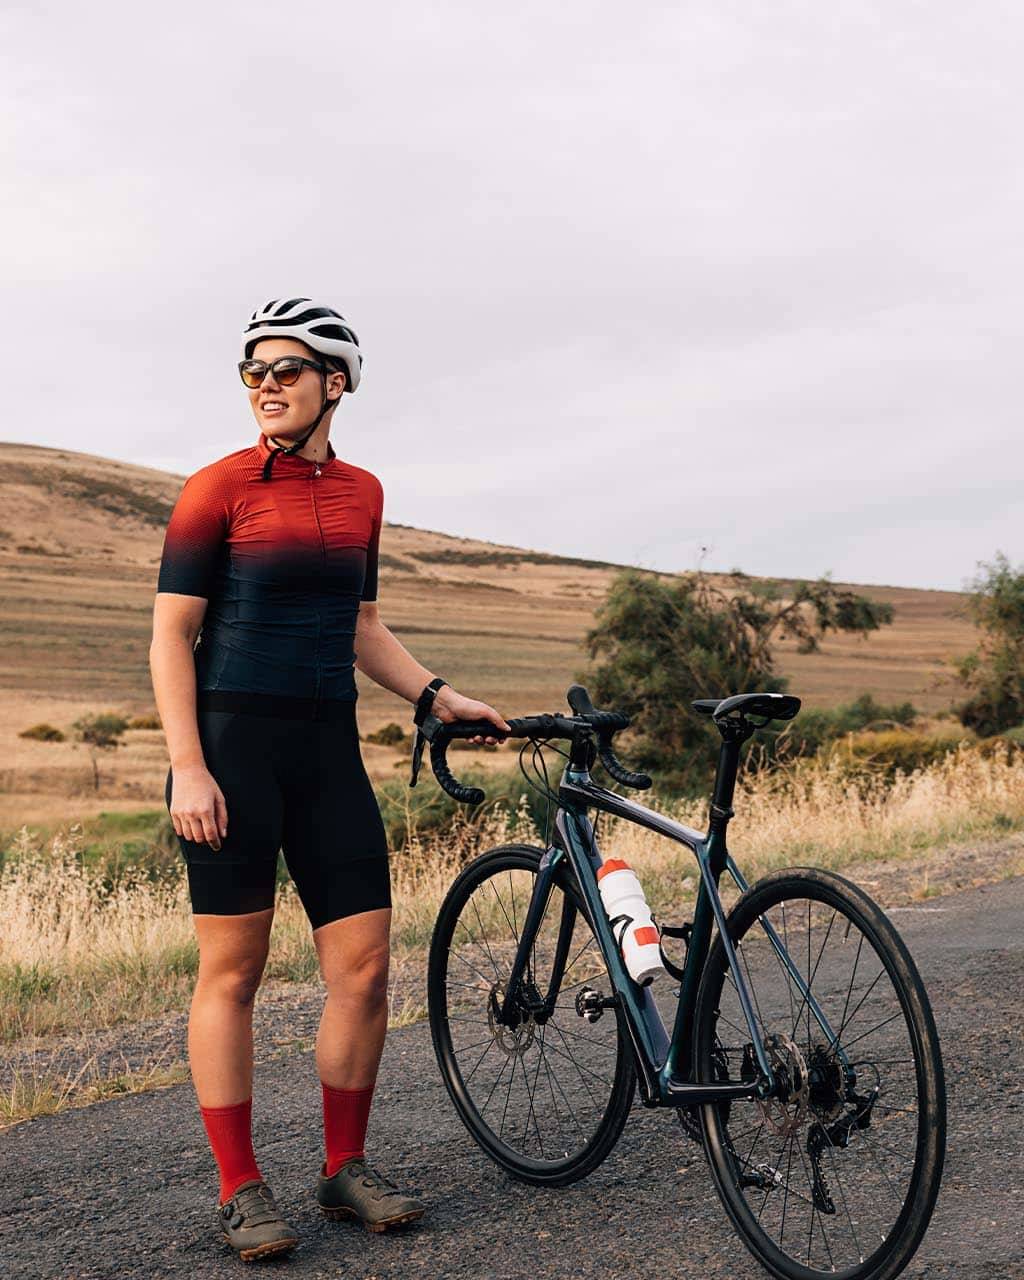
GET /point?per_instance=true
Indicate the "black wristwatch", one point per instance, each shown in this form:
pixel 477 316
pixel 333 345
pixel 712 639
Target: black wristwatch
pixel 426 699
pixel 426 724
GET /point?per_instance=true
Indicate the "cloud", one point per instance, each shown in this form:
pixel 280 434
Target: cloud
pixel 736 277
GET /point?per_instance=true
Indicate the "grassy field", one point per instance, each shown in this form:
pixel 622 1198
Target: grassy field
pixel 80 541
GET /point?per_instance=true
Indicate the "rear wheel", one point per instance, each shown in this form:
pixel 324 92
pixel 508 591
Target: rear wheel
pixel 839 1174
pixel 548 1097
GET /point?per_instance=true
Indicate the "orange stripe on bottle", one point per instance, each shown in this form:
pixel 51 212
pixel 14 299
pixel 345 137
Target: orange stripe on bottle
pixel 645 936
pixel 613 864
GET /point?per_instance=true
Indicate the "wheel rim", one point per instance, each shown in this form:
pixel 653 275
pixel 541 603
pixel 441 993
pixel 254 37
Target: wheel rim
pixel 536 1093
pixel 827 1175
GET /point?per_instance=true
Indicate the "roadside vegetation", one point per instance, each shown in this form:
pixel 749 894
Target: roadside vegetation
pixel 97 928
pixel 658 644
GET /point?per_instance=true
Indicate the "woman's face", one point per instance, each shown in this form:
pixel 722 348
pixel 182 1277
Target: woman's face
pixel 285 411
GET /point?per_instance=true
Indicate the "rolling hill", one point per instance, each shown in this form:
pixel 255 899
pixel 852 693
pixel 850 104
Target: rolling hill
pixel 80 542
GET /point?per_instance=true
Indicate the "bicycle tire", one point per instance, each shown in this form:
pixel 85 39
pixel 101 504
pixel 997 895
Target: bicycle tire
pixel 501 861
pixel 729 1168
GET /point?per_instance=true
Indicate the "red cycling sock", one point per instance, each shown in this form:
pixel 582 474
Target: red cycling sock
pixel 229 1130
pixel 346 1113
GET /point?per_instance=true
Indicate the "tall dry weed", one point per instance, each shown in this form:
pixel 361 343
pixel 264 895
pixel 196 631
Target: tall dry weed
pixel 817 812
pixel 74 953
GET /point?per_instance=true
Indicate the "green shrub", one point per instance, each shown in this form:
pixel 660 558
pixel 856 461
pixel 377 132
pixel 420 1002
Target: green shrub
pixel 389 735
pixel 993 673
pixel 427 808
pixel 42 733
pixel 893 751
pixel 149 721
pixel 102 729
pixel 816 726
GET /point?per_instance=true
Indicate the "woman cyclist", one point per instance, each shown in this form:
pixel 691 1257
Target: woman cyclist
pixel 272 551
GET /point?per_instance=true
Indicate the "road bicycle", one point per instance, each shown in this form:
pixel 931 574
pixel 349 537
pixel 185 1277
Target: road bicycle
pixel 802 1054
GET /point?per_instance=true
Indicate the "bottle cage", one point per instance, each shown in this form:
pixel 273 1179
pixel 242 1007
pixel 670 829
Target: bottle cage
pixel 683 931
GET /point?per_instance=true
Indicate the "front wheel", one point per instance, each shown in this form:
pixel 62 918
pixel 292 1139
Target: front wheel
pixel 837 1174
pixel 545 1097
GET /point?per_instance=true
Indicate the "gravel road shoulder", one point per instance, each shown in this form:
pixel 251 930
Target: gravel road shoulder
pixel 126 1188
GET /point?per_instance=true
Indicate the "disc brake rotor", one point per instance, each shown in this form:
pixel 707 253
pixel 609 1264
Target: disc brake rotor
pixel 512 1040
pixel 785 1113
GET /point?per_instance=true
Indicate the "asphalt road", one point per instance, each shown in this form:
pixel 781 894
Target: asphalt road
pixel 126 1188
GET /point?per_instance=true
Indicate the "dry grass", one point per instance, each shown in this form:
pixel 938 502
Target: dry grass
pixel 74 956
pixel 30 1094
pixel 816 812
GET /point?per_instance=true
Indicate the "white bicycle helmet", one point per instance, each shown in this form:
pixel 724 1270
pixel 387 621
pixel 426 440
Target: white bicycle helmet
pixel 318 326
pixel 323 329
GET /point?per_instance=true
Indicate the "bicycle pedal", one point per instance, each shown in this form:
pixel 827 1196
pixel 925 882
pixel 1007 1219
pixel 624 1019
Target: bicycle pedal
pixel 591 1004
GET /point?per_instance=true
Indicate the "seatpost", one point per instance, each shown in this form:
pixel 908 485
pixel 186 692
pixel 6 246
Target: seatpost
pixel 725 785
pixel 735 730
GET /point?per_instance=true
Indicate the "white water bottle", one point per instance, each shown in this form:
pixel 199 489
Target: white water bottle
pixel 637 936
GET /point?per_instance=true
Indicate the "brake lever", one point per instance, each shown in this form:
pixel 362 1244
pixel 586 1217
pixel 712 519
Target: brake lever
pixel 426 732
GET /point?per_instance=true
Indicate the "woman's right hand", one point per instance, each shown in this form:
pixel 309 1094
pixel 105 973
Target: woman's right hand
pixel 198 809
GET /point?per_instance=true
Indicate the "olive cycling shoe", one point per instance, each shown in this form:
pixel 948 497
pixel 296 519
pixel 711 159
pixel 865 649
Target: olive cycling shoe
pixel 252 1223
pixel 359 1191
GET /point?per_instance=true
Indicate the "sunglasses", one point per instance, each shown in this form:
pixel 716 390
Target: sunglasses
pixel 286 370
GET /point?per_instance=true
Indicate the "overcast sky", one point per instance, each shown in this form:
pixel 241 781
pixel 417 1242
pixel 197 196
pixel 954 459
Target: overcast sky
pixel 629 280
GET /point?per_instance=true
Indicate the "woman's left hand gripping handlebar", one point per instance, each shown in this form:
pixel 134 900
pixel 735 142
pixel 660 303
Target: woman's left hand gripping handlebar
pixel 451 705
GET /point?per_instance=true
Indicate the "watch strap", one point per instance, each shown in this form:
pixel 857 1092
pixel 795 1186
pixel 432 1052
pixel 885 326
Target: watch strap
pixel 426 699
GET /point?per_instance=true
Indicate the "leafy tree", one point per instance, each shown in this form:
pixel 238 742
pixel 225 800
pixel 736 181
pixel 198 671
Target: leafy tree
pixel 100 732
pixel 666 642
pixel 994 672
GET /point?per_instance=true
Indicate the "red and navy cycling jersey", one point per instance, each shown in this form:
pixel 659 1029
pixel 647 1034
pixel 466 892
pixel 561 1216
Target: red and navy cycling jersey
pixel 284 565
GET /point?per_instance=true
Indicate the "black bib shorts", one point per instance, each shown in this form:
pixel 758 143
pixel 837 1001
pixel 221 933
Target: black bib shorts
pixel 293 783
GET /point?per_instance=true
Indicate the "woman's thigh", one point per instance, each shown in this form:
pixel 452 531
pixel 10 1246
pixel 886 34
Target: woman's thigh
pixel 240 876
pixel 334 841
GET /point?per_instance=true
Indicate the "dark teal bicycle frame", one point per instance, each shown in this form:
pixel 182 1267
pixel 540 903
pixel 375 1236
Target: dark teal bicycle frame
pixel 665 1065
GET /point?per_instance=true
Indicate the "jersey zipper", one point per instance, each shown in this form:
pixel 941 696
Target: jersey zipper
pixel 323 550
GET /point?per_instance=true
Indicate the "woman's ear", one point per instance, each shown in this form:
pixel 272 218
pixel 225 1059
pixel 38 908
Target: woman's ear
pixel 336 381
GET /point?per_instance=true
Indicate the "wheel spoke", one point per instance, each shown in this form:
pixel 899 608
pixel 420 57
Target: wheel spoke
pixel 566 1104
pixel 799 1173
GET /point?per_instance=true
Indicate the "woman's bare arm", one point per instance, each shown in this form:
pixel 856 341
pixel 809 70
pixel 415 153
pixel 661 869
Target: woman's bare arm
pixel 198 811
pixel 383 657
pixel 176 623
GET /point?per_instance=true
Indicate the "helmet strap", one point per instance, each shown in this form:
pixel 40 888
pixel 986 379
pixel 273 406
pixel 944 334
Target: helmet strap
pixel 297 444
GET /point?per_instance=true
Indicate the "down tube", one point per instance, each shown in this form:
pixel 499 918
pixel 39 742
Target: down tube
pixel 646 1028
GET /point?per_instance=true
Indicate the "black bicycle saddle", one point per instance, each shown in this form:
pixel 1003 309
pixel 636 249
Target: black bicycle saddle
pixel 776 706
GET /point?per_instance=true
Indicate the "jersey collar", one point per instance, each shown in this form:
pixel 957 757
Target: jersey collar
pixel 265 450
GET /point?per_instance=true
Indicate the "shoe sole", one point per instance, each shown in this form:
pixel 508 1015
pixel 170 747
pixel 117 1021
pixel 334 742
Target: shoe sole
pixel 343 1211
pixel 266 1250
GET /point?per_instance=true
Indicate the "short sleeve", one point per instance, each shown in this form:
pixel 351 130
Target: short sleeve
pixel 369 593
pixel 195 537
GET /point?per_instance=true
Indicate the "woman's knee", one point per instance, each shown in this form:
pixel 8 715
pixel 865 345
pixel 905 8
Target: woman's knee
pixel 234 984
pixel 364 978
pixel 233 953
